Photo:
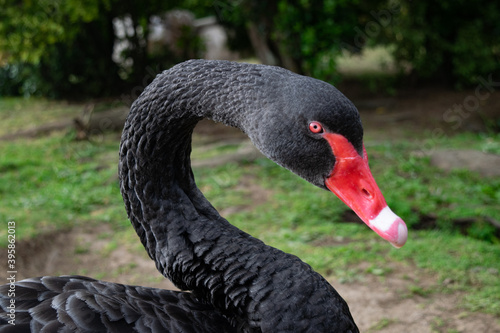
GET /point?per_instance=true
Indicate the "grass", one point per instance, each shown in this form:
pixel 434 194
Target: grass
pixel 54 182
pixel 41 111
pixel 429 191
pixel 381 324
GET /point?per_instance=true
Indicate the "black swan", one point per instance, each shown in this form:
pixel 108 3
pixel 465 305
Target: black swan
pixel 237 283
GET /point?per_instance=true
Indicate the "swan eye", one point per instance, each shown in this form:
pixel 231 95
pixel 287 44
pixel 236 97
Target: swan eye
pixel 315 127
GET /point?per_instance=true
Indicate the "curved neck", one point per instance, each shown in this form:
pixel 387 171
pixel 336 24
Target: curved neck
pixel 175 222
pixel 155 173
pixel 159 190
pixel 183 233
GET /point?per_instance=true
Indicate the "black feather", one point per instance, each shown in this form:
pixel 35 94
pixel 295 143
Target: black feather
pixel 238 283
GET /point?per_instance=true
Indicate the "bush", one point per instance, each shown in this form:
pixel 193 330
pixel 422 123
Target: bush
pixel 66 49
pixel 450 41
pixel 304 36
pixel 23 79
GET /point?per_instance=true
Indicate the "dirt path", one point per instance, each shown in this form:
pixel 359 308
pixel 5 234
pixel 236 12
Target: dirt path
pixel 387 305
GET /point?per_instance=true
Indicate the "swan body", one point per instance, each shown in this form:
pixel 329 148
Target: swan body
pixel 237 283
pixel 81 304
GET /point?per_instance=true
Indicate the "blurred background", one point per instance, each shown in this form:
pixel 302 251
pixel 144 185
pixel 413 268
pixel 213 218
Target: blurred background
pixel 425 76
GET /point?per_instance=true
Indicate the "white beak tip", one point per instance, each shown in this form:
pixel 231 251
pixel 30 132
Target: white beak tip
pixel 390 227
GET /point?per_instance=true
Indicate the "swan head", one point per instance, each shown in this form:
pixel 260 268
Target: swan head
pixel 313 130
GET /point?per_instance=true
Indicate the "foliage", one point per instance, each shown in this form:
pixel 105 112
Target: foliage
pixel 64 48
pixel 302 35
pixel 446 41
pixel 20 79
pixel 30 28
pixel 34 37
pixel 47 42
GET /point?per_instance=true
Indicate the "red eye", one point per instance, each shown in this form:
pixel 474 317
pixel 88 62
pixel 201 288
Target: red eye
pixel 315 127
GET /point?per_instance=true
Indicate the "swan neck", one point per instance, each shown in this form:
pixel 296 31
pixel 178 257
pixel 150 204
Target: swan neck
pixel 189 241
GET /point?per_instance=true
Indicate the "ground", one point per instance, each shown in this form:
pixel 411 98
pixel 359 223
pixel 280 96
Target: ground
pixel 378 303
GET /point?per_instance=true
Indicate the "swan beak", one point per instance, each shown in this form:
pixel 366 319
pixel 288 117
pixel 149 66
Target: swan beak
pixel 352 181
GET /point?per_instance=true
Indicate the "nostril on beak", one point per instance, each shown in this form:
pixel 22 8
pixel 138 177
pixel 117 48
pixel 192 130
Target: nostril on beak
pixel 366 193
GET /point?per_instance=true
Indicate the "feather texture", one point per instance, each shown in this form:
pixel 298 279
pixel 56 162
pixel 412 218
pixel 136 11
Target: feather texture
pixel 237 283
pixel 81 304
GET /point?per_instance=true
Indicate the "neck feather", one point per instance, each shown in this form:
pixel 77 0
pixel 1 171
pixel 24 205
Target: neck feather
pixel 183 233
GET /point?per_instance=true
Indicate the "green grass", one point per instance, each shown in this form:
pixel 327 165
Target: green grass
pixel 14 116
pixel 429 191
pixel 55 182
pixel 381 324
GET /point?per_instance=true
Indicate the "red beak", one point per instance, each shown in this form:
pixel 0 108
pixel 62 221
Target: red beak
pixel 352 181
